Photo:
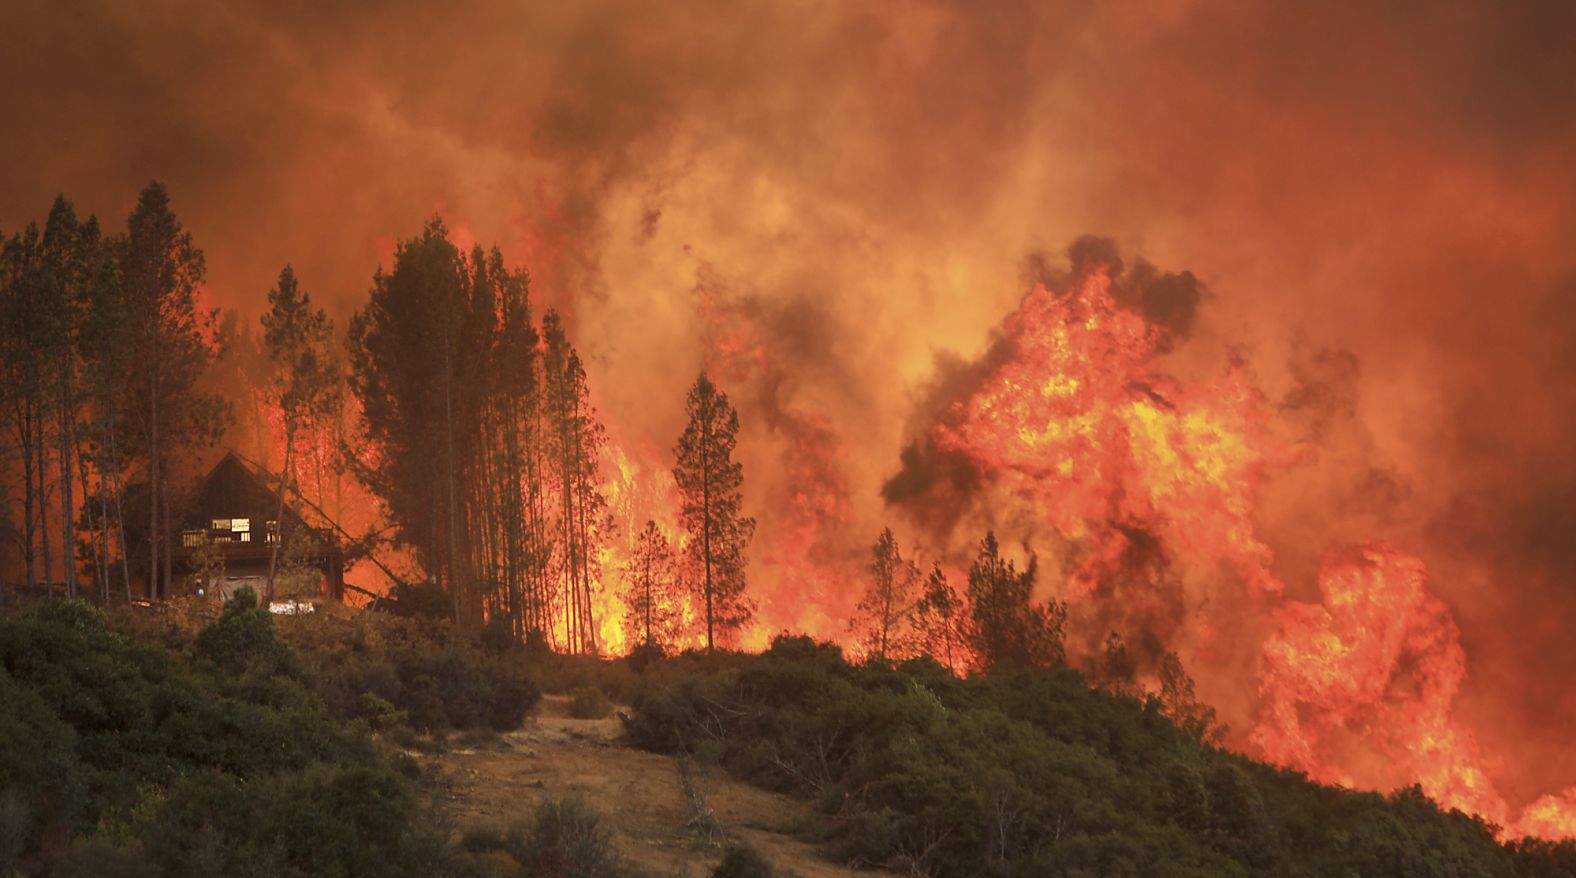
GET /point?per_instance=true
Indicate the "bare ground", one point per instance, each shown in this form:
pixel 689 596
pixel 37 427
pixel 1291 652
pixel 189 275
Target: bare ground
pixel 639 794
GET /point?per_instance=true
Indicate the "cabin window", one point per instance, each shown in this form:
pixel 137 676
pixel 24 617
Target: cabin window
pixel 229 530
pixel 273 533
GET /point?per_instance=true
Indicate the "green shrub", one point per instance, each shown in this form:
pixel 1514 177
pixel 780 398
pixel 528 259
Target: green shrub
pixel 1031 773
pixel 420 600
pixel 437 678
pixel 588 702
pixel 378 713
pixel 565 839
pixel 136 760
pixel 743 861
pixel 243 638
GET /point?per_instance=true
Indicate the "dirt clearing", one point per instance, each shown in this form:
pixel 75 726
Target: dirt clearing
pixel 641 796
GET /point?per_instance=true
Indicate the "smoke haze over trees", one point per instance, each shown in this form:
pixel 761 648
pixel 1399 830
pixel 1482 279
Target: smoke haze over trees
pixel 1364 211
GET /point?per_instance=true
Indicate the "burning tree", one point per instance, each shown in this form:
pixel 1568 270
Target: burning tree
pixel 709 486
pixel 884 618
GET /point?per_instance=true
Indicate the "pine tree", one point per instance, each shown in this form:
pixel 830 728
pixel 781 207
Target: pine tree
pixel 710 487
pixel 304 383
pixel 884 618
pixel 161 270
pixel 1178 701
pixel 410 355
pixel 517 376
pixel 938 618
pixel 68 253
pixel 1006 629
pixel 104 350
pixel 23 334
pixel 577 440
pixel 1117 672
pixel 652 596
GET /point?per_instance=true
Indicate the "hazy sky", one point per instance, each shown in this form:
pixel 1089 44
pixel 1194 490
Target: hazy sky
pixel 863 181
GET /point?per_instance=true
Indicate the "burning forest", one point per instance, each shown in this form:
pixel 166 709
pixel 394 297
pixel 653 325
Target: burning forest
pixel 1160 350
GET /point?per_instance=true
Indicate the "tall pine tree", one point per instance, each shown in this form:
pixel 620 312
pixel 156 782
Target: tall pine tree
pixel 69 250
pixel 652 597
pixel 408 347
pixel 710 486
pixel 577 440
pixel 1006 628
pixel 304 382
pixel 170 341
pixel 884 618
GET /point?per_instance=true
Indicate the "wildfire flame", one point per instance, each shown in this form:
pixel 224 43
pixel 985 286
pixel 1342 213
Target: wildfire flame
pixel 1129 468
pixel 1368 678
pixel 1149 488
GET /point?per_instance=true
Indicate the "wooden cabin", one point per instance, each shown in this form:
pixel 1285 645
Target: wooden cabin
pixel 231 528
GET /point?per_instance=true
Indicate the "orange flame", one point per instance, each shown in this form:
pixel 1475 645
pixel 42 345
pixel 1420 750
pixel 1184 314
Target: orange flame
pixel 1150 486
pixel 1360 689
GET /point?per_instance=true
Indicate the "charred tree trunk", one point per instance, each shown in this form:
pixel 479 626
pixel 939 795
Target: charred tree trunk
pixel 24 436
pixel 68 527
pixel 43 505
pixel 120 513
pixel 154 592
pixel 279 510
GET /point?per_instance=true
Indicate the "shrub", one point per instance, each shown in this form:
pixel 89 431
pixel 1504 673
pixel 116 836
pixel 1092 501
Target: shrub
pixel 588 702
pixel 420 600
pixel 243 638
pixel 439 678
pixel 134 760
pixel 1033 772
pixel 378 713
pixel 644 656
pixel 743 861
pixel 565 839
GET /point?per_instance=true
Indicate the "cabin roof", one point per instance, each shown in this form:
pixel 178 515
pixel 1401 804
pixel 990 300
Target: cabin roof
pixel 235 488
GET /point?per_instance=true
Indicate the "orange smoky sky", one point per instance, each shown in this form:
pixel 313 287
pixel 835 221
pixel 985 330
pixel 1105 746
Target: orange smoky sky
pixel 1380 200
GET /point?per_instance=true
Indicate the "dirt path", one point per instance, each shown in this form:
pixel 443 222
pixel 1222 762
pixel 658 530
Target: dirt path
pixel 638 793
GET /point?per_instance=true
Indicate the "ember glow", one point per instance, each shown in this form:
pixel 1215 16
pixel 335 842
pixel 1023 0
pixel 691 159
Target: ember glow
pixel 1324 455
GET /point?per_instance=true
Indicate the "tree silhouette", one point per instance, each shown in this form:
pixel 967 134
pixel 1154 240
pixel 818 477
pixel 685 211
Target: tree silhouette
pixel 304 383
pixel 652 579
pixel 161 270
pixel 409 352
pixel 938 618
pixel 577 439
pixel 1007 629
pixel 884 617
pixel 710 483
